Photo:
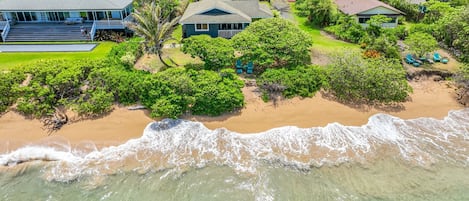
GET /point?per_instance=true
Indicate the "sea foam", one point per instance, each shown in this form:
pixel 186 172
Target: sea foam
pixel 181 144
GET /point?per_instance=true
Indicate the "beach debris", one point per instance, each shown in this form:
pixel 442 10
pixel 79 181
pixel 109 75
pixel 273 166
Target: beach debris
pixel 137 107
pixel 274 90
pixel 54 122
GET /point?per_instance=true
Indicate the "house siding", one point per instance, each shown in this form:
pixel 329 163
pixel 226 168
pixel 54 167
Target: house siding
pixel 379 11
pixel 188 30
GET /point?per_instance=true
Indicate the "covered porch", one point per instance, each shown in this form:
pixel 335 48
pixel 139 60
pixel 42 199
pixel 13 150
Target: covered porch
pixel 102 14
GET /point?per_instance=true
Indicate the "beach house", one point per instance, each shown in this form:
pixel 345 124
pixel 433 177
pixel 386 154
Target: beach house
pixel 364 9
pixel 221 18
pixel 28 20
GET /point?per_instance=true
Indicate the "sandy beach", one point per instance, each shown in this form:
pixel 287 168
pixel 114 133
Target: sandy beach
pixel 430 99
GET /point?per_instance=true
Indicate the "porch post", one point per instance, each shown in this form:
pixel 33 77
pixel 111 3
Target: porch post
pixel 107 16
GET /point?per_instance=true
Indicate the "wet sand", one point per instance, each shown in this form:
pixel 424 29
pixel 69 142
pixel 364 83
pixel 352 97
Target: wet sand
pixel 430 99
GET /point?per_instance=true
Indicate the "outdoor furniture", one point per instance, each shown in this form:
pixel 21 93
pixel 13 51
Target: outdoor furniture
pixel 410 60
pixel 436 57
pixel 73 20
pixel 444 60
pixel 239 67
pixel 250 68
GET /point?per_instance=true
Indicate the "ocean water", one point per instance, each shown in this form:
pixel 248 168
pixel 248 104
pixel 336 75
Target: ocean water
pixel 386 159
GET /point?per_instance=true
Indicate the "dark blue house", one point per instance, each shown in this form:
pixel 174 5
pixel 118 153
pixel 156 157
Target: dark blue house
pixel 221 18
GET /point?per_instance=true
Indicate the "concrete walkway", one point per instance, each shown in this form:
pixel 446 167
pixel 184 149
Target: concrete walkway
pixel 48 48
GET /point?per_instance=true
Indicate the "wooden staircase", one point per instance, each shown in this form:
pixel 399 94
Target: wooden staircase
pixel 47 32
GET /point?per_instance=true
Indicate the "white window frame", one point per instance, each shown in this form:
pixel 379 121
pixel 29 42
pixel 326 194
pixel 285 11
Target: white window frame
pixel 201 24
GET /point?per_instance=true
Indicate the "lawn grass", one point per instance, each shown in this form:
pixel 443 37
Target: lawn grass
pixel 13 59
pixel 319 41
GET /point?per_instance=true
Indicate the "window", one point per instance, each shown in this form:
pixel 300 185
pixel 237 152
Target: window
pixel 201 27
pixel 237 26
pixel 362 20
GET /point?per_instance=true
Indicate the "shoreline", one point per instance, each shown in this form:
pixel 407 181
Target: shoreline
pixel 430 99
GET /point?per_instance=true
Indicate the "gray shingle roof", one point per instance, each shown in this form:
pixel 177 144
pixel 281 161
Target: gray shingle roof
pixel 353 7
pixel 239 12
pixel 59 5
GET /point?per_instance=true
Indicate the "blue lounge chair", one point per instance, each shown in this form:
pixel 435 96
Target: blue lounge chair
pixel 410 60
pixel 436 57
pixel 250 68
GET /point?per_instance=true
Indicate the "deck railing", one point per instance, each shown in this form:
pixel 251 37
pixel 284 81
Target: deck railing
pixel 93 31
pixel 109 24
pixel 227 33
pixel 5 29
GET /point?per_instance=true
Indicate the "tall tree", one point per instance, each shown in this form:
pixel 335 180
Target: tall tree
pixel 273 42
pixel 154 25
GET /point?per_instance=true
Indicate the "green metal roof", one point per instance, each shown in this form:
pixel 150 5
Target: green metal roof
pixel 59 5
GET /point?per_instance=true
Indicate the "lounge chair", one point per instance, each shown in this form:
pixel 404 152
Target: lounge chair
pixel 250 68
pixel 410 60
pixel 436 57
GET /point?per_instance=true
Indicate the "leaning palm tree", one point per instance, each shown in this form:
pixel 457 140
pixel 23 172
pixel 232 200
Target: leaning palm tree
pixel 153 26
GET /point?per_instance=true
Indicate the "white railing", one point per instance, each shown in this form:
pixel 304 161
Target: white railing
pixel 6 29
pixel 93 31
pixel 227 33
pixel 109 24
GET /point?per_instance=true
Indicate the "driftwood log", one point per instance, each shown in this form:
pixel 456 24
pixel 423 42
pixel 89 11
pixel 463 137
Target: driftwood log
pixel 54 122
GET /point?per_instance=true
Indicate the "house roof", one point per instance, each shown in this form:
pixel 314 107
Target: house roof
pixel 416 1
pixel 235 11
pixel 353 7
pixel 62 5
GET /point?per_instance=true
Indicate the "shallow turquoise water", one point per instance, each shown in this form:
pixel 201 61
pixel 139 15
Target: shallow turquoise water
pixel 387 159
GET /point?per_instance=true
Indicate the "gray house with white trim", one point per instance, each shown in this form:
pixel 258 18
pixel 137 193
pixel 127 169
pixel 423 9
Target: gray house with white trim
pixel 221 18
pixel 99 14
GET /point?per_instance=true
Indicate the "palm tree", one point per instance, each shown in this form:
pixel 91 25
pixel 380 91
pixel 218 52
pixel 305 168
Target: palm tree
pixel 154 26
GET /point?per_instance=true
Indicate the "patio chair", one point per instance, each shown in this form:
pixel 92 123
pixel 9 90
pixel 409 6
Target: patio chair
pixel 250 68
pixel 436 57
pixel 239 67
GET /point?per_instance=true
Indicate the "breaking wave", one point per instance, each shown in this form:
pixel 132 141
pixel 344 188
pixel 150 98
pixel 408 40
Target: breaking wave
pixel 180 144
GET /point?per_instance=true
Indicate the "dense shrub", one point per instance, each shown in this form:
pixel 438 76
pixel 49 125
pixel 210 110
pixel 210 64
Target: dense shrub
pixel 217 53
pixel 420 27
pixel 216 93
pixel 9 80
pixel 94 102
pixel 354 79
pixel 131 47
pixel 300 81
pixel 347 29
pixel 176 91
pixel 453 30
